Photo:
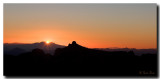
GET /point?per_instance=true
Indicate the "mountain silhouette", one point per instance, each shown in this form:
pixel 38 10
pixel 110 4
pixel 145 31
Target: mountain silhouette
pixel 18 48
pixel 76 60
pixel 50 48
pixel 76 49
pixel 137 52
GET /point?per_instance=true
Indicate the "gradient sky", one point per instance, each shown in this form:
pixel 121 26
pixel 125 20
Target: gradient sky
pixel 91 25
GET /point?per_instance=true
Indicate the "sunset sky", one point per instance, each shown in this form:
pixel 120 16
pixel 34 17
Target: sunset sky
pixel 90 25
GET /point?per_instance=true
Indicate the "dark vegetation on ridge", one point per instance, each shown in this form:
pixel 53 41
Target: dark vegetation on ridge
pixel 76 60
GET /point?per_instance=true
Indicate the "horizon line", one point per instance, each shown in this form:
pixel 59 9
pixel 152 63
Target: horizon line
pixel 87 47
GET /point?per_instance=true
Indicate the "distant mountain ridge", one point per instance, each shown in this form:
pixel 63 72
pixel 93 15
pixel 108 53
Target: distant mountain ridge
pixel 18 48
pixel 138 52
pixel 24 48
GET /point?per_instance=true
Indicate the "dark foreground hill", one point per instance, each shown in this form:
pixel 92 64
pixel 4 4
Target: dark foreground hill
pixel 75 60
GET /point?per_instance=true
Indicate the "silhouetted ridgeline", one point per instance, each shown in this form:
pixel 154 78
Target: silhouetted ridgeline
pixel 17 48
pixel 137 52
pixel 76 60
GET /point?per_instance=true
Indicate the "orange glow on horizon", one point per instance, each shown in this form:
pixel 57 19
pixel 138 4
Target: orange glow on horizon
pixel 47 42
pixel 93 27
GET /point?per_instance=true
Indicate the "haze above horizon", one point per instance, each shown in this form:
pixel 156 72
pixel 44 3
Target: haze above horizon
pixel 91 25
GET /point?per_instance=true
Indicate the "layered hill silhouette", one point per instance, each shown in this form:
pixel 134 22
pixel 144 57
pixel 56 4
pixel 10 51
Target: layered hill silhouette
pixel 76 60
pixel 18 48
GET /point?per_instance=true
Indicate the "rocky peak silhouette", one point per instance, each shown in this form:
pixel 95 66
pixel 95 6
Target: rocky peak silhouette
pixel 75 45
